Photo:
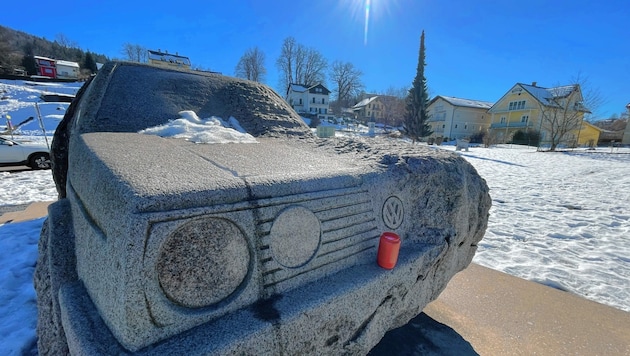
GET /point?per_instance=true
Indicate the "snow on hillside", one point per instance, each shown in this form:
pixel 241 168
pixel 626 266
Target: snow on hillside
pixel 561 219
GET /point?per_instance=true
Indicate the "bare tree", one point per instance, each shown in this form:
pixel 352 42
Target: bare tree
pixel 591 96
pixel 286 62
pixel 347 84
pixel 65 42
pixel 134 53
pixel 299 64
pixel 565 108
pixel 562 113
pixel 314 68
pixel 393 102
pixel 251 66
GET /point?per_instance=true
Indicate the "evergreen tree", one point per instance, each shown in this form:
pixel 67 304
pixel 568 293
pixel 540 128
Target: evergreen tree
pixel 28 62
pixel 416 116
pixel 89 62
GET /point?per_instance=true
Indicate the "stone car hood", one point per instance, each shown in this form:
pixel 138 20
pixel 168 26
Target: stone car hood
pixel 148 173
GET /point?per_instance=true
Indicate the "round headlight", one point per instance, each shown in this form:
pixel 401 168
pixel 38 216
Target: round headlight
pixel 203 262
pixel 295 236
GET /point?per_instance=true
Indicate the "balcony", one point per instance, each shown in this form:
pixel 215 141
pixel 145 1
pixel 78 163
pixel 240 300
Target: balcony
pixel 512 125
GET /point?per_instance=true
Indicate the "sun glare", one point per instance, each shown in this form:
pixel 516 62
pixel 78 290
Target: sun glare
pixel 368 13
pixel 368 4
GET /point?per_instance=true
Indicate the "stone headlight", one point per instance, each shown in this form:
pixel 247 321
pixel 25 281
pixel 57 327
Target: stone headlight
pixel 203 262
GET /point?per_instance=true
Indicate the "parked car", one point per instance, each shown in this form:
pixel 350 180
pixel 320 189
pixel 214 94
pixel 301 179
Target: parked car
pixel 24 153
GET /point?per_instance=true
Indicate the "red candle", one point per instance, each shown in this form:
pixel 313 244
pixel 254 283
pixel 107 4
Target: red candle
pixel 388 248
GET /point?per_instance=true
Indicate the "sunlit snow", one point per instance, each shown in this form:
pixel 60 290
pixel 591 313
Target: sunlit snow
pixel 211 130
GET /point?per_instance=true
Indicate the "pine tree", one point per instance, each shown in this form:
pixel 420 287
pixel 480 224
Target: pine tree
pixel 416 116
pixel 89 62
pixel 28 62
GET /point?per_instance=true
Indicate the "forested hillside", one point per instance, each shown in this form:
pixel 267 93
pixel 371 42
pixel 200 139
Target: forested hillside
pixel 17 49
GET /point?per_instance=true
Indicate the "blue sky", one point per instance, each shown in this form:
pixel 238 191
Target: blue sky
pixel 475 49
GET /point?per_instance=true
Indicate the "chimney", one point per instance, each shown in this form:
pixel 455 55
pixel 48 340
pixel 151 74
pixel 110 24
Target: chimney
pixel 534 84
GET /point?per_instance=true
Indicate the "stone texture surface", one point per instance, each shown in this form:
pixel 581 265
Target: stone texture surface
pixel 170 247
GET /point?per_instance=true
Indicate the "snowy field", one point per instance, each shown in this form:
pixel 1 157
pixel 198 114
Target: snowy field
pixel 561 219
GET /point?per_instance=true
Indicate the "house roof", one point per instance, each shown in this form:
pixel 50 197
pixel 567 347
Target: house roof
pixel 300 88
pixel 546 96
pixel 464 102
pixel 67 63
pixel 297 88
pixel 593 126
pixel 168 57
pixel 364 102
pixel 44 58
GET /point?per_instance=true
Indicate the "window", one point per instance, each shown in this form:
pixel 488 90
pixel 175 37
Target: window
pixel 323 101
pixel 524 118
pixel 465 127
pixel 300 101
pixel 455 125
pixel 325 111
pixel 503 119
pixel 369 113
pixel 443 126
pixel 320 110
pixel 516 105
pixel 313 100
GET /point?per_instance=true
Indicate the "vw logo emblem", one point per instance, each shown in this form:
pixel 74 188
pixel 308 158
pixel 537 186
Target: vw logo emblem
pixel 393 212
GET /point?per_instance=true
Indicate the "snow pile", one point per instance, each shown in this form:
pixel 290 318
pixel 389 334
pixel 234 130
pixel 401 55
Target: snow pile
pixel 211 130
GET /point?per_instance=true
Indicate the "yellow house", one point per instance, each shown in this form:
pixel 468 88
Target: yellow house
pixel 556 113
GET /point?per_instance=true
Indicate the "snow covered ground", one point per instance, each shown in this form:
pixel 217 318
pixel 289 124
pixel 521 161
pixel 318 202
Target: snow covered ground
pixel 561 219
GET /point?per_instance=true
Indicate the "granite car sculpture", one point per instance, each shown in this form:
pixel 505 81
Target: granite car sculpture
pixel 165 246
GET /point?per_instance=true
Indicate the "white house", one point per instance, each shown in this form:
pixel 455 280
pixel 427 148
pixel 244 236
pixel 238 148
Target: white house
pixel 67 69
pixel 165 59
pixel 456 118
pixel 312 100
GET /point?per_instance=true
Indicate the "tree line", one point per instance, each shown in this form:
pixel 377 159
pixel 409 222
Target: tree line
pixel 299 64
pixel 17 50
pixel 304 65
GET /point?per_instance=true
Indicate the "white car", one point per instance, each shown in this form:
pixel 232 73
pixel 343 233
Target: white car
pixel 33 154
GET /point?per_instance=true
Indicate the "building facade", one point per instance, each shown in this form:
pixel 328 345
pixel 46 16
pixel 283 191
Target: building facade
pixel 67 69
pixel 369 109
pixel 45 67
pixel 313 100
pixel 165 59
pixel 531 108
pixel 455 118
